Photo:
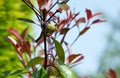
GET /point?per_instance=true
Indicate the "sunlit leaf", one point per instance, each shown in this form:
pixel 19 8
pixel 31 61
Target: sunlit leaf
pixel 77 59
pixel 96 14
pixel 26 20
pixel 72 57
pixel 59 50
pixel 34 61
pixel 11 40
pixel 15 33
pixel 14 43
pixel 88 13
pixel 64 31
pixel 65 71
pixel 98 21
pixel 64 6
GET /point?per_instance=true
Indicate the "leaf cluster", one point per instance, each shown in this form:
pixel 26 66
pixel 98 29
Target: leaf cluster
pixel 51 60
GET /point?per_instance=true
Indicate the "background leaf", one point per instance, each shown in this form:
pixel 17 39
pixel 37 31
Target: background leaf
pixel 6 73
pixel 16 72
pixel 112 73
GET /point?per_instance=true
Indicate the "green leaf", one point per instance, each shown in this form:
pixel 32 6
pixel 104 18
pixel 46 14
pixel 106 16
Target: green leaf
pixel 16 72
pixel 6 73
pixel 26 20
pixel 35 61
pixel 59 62
pixel 40 73
pixel 66 72
pixel 59 50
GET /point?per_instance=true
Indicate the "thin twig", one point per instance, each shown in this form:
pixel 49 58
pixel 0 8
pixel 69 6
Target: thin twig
pixel 52 16
pixel 53 6
pixel 45 47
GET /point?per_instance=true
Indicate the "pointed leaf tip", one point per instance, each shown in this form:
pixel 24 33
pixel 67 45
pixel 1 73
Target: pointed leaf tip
pixel 26 20
pixel 98 21
pixel 88 13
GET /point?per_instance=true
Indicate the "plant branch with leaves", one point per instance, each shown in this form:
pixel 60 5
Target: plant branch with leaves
pixel 51 61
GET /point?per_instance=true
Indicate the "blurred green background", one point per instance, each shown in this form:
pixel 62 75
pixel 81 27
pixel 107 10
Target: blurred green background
pixel 10 10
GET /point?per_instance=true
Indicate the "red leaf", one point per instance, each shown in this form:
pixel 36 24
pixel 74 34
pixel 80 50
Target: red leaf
pixel 89 14
pixel 44 4
pixel 80 20
pixel 62 24
pixel 15 33
pixel 96 14
pixel 98 21
pixel 24 33
pixel 40 3
pixel 112 73
pixel 64 21
pixel 84 30
pixel 12 41
pixel 39 41
pixel 27 47
pixel 78 59
pixel 69 14
pixel 75 15
pixel 75 58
